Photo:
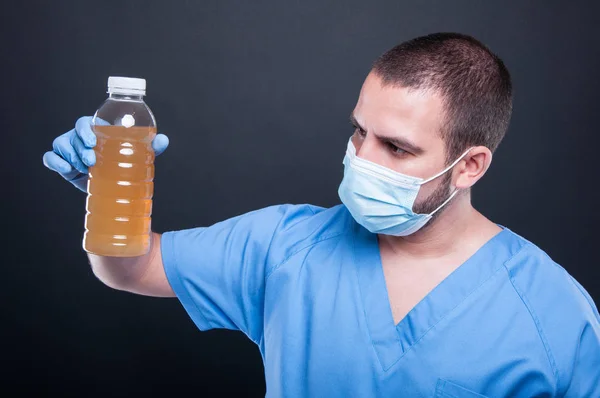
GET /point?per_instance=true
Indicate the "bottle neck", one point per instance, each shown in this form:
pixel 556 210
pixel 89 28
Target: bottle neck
pixel 126 97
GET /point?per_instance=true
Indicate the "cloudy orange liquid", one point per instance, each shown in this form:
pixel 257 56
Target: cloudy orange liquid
pixel 120 189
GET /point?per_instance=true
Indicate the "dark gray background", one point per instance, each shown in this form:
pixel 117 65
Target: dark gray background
pixel 255 96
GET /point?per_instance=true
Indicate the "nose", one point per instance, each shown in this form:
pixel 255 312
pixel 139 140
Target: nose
pixel 365 148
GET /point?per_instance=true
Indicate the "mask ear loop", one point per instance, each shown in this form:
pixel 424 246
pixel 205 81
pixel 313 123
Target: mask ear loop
pixel 439 174
pixel 447 168
pixel 445 203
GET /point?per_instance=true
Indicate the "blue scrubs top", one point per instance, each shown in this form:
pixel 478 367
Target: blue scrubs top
pixel 306 285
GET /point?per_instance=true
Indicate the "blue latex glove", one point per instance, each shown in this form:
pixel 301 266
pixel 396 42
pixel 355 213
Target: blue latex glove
pixel 72 152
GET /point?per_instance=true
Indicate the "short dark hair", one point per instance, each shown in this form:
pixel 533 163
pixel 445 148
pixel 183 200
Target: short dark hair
pixel 474 83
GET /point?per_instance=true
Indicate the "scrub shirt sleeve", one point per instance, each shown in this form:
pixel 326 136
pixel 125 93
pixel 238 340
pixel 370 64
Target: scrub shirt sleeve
pixel 567 320
pixel 218 272
pixel 585 381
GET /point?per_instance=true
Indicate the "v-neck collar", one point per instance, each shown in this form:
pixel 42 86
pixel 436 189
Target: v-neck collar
pixel 391 341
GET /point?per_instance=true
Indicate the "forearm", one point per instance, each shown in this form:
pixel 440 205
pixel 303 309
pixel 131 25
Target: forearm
pixel 124 273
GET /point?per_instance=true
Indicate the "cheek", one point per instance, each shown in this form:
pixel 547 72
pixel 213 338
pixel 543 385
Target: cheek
pixel 436 189
pixel 424 166
pixel 356 141
pixel 426 191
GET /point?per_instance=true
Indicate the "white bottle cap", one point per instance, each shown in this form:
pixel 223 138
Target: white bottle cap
pixel 126 85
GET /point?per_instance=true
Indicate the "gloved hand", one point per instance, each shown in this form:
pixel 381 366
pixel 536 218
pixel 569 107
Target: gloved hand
pixel 72 152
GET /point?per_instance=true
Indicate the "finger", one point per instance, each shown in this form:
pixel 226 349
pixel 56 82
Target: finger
pixel 88 156
pixel 83 128
pixel 56 163
pixel 160 143
pixel 59 165
pixel 62 147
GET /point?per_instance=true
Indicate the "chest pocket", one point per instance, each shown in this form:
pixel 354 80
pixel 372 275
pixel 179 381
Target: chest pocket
pixel 446 389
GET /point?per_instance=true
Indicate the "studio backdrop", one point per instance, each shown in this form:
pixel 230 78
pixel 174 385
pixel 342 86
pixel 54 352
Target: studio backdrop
pixel 255 97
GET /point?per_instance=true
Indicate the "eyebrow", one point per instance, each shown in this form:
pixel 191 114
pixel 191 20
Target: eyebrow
pixel 397 141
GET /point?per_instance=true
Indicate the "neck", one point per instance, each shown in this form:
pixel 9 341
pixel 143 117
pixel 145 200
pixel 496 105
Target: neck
pixel 443 235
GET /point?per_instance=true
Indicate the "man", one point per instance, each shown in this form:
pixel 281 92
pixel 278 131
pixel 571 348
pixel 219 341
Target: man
pixel 404 289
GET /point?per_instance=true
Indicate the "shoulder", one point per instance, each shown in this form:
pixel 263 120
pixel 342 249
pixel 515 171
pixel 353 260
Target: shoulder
pixel 300 218
pixel 306 225
pixel 542 280
pixel 281 230
pixel 270 233
pixel 559 305
pixel 275 229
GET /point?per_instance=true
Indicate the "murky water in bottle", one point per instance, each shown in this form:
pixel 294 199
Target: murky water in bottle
pixel 120 190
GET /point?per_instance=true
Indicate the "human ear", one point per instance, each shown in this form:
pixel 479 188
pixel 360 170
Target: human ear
pixel 472 167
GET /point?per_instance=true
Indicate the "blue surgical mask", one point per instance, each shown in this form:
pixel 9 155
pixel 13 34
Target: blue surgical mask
pixel 380 199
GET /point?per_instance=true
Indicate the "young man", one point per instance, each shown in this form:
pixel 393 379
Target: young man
pixel 404 289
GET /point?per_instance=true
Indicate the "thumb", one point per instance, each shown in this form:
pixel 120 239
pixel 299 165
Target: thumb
pixel 160 143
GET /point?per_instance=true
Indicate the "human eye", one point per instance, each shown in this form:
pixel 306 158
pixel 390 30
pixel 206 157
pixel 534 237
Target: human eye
pixel 397 151
pixel 358 131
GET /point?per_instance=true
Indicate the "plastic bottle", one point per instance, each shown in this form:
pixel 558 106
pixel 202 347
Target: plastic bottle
pixel 120 185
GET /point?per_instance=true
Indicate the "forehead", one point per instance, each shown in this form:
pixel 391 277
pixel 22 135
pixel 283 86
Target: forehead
pixel 413 114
